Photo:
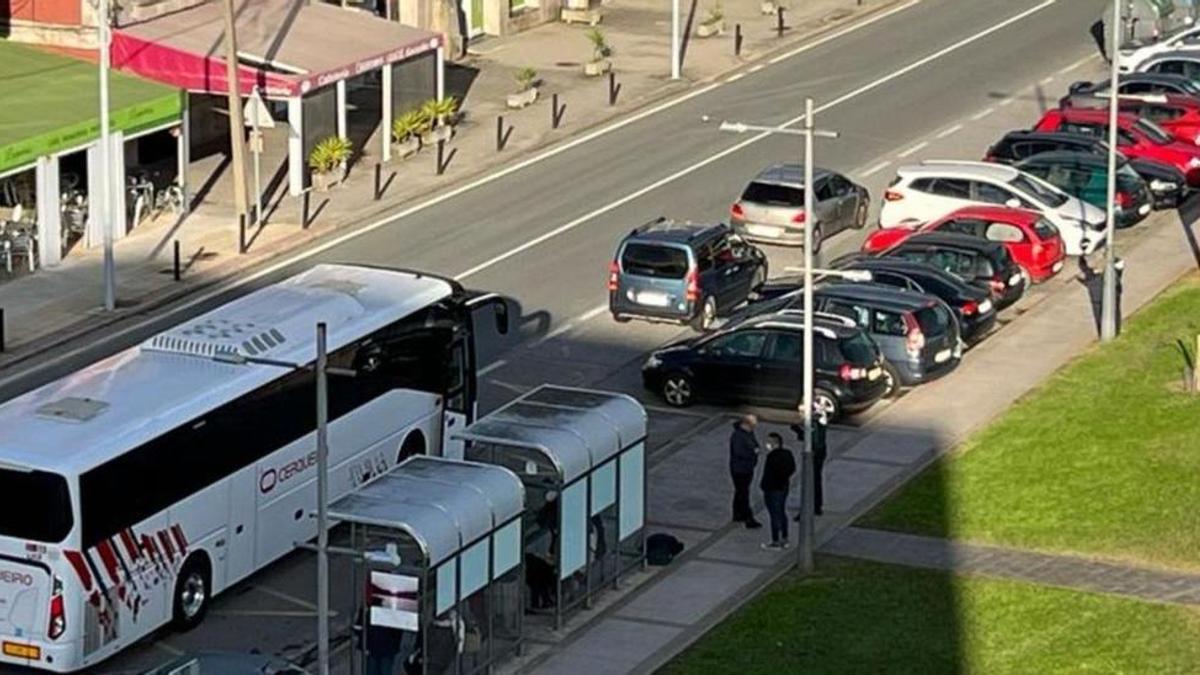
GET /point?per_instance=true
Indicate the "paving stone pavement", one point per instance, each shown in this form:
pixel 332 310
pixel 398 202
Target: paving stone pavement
pixel 1042 568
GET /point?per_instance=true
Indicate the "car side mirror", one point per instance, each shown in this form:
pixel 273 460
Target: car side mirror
pixel 1013 203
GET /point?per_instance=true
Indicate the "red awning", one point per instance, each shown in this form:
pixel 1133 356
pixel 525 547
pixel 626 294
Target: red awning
pixel 285 47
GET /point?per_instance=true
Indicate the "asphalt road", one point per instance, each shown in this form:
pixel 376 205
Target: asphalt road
pixel 940 78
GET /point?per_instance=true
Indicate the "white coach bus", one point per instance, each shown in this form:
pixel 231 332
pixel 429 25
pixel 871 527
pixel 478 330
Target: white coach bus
pixel 135 489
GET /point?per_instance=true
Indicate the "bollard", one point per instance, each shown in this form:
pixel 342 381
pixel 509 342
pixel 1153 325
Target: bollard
pixel 556 112
pixel 613 88
pixel 779 20
pixel 378 181
pixel 241 233
pixel 502 134
pixel 737 40
pixel 176 267
pixel 304 210
pixel 440 155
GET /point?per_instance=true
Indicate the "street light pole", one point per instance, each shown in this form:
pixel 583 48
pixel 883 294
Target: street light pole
pixel 237 144
pixel 1108 302
pixel 106 216
pixel 676 48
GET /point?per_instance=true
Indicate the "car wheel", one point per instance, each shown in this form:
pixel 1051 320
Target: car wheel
pixel 825 402
pixel 892 378
pixel 860 216
pixel 816 239
pixel 706 316
pixel 1026 275
pixel 193 590
pixel 620 319
pixel 677 390
pixel 760 278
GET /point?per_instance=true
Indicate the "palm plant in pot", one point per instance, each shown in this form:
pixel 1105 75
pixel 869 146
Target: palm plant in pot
pixel 442 114
pixel 527 91
pixel 328 161
pixel 407 130
pixel 713 23
pixel 601 50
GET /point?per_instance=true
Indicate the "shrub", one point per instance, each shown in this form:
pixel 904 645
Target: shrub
pixel 329 154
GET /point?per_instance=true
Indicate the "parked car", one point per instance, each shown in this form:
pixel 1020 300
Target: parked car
pixel 931 190
pixel 911 328
pixel 971 303
pixel 1032 241
pixel 761 361
pixel 1135 55
pixel 1178 115
pixel 1137 137
pixel 1168 185
pixel 1142 83
pixel 984 262
pixel 771 208
pixel 1085 176
pixel 684 273
pixel 1182 62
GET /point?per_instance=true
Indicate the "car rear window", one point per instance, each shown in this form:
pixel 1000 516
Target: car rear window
pixel 650 260
pixel 773 195
pixel 858 350
pixel 34 505
pixel 933 320
pixel 1045 229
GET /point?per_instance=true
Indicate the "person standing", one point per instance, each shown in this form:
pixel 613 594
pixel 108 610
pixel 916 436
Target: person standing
pixel 1097 31
pixel 743 458
pixel 776 479
pixel 819 453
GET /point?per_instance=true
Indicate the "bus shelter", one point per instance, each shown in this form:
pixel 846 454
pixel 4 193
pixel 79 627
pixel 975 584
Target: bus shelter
pixel 581 456
pixel 438 544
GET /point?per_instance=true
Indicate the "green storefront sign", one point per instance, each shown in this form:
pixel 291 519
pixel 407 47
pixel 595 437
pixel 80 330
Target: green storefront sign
pixel 130 120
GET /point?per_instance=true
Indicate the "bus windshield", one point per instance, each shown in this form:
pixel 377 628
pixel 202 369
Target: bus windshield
pixel 34 505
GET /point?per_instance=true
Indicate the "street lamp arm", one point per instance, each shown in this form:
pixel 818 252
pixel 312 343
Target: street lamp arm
pixel 849 275
pixel 742 127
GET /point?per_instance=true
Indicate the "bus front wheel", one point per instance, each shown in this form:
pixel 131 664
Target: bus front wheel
pixel 193 591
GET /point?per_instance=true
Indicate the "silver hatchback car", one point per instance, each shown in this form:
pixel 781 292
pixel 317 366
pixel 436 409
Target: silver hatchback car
pixel 771 208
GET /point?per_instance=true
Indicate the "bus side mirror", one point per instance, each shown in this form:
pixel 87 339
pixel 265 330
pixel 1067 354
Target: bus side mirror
pixel 501 313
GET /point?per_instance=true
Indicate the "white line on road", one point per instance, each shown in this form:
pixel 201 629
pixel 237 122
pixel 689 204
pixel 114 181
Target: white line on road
pixel 163 645
pixel 735 78
pixel 875 169
pixel 750 141
pixel 1046 80
pixel 494 365
pixel 1006 101
pixel 286 596
pixel 914 149
pixel 952 130
pixel 571 325
pixel 982 114
pixel 756 68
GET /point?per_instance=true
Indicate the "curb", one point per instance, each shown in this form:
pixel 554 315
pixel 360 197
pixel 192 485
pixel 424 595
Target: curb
pixel 226 273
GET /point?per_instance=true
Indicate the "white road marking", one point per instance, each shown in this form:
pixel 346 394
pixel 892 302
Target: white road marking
pixel 735 78
pixel 1077 64
pixel 515 388
pixel 750 141
pixel 1006 101
pixel 267 271
pixel 1046 80
pixel 875 169
pixel 982 114
pixel 571 325
pixel 914 149
pixel 833 36
pixel 755 69
pixel 173 651
pixel 494 365
pixel 286 596
pixel 952 130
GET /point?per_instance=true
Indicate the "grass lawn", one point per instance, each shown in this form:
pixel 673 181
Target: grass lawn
pixel 858 617
pixel 1103 459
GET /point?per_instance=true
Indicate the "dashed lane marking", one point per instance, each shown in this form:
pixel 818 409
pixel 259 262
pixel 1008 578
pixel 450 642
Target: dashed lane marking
pixel 914 149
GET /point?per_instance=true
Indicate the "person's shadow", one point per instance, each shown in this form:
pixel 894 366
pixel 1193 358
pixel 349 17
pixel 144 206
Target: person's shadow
pixel 1093 281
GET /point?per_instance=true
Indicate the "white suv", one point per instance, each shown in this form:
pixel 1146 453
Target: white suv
pixel 929 190
pixel 1133 56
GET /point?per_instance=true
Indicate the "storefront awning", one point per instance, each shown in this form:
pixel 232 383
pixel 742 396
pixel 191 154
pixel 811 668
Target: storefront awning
pixel 51 103
pixel 285 47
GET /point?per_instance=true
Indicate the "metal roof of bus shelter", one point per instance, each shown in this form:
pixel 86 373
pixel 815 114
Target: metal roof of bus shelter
pixel 443 504
pixel 577 430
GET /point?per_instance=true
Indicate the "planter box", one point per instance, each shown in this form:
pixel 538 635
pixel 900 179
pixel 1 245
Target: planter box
pixel 324 182
pixel 407 148
pixel 442 132
pixel 767 8
pixel 591 17
pixel 596 68
pixel 522 99
pixel 710 29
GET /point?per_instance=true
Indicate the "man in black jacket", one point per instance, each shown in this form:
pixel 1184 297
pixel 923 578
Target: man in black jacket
pixel 819 454
pixel 743 457
pixel 776 479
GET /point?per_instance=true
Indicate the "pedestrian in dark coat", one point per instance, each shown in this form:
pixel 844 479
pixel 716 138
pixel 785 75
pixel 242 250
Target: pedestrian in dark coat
pixel 776 480
pixel 743 458
pixel 1097 31
pixel 819 453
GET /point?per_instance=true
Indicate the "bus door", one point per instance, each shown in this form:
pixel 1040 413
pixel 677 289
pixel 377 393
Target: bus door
pixel 243 516
pixel 460 399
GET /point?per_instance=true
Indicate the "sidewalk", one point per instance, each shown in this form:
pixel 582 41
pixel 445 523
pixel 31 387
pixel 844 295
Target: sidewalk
pixel 62 303
pixel 724 565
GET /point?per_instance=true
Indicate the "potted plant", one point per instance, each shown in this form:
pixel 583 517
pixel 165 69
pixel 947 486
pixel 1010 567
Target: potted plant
pixel 527 91
pixel 442 114
pixel 601 50
pixel 328 162
pixel 406 132
pixel 713 23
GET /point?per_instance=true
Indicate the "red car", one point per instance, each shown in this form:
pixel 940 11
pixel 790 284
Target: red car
pixel 1138 137
pixel 1178 115
pixel 1032 241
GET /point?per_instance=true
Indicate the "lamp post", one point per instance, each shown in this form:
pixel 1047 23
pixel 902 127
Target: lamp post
pixel 676 47
pixel 1108 302
pixel 810 133
pixel 106 216
pixel 321 366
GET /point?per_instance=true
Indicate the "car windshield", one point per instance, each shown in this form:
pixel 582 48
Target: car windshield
pixel 773 195
pixel 649 260
pixel 1150 130
pixel 1045 229
pixel 1042 191
pixel 34 505
pixel 1128 180
pixel 934 320
pixel 858 349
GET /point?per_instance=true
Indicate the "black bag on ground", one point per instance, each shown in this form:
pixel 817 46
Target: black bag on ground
pixel 661 549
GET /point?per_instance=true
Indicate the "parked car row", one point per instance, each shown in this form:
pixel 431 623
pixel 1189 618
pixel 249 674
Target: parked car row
pixel 957 243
